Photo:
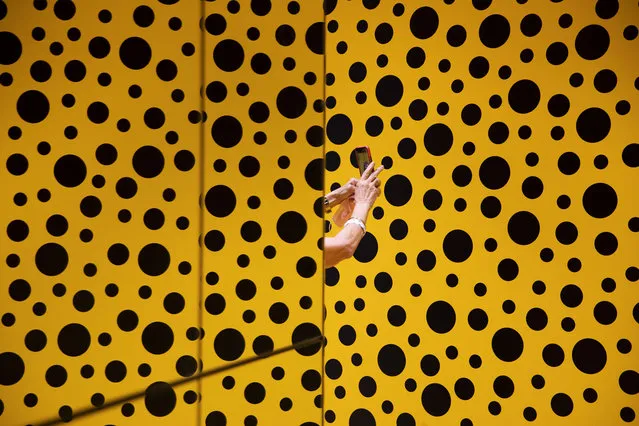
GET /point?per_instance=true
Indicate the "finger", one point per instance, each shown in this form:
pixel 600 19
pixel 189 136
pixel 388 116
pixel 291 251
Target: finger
pixel 374 174
pixel 368 170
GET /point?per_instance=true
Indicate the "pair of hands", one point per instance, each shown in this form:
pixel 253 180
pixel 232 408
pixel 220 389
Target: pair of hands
pixel 345 195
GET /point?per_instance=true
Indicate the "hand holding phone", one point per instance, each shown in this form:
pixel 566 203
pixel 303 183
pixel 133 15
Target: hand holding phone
pixel 363 158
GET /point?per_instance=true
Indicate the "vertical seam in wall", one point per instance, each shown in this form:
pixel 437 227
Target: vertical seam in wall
pixel 201 210
pixel 322 308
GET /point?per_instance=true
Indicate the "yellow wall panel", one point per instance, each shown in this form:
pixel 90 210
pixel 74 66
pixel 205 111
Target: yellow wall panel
pixel 487 244
pixel 263 180
pixel 99 208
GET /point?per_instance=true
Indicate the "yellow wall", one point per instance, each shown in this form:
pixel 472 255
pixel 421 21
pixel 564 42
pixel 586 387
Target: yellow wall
pixel 496 283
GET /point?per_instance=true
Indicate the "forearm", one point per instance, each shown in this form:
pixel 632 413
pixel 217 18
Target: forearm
pixel 352 233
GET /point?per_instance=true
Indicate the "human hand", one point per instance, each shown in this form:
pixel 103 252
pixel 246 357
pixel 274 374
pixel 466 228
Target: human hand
pixel 344 211
pixel 344 191
pixel 367 189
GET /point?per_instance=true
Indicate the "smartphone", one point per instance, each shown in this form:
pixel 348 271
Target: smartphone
pixel 363 158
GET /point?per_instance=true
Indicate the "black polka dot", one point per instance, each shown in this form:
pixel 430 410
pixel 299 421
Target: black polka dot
pixel 160 399
pixel 398 190
pixel 589 356
pixel 220 201
pixel 315 38
pixel 507 344
pixel 229 344
pixel 436 399
pixel 17 164
pixel 592 42
pixel 70 170
pixel 33 106
pixel 391 360
pixel 154 259
pixel 593 125
pixel 389 90
pixel 135 53
pixel 226 131
pixel 291 102
pixel 494 31
pixel 157 338
pixel 600 200
pixel 524 96
pixel 148 161
pixel 523 227
pixel 424 22
pixel 339 129
pixel 361 417
pixel 441 316
pixel 51 259
pixel 74 339
pixel 11 48
pixel 12 369
pixel 494 172
pixel 457 245
pixel 438 139
pixel 291 227
pixel 228 55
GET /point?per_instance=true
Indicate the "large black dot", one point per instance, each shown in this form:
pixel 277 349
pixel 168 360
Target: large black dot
pixel 524 96
pixel 628 382
pixel 135 53
pixel 51 259
pixel 398 190
pixel 523 227
pixel 593 125
pixel 315 38
pixel 436 399
pixel 494 172
pixel 391 360
pixel 303 333
pixel 229 344
pixel 339 129
pixel 154 259
pixel 148 161
pixel 11 368
pixel 291 102
pixel 11 48
pixel 157 338
pixel 389 90
pixel 494 31
pixel 291 227
pixel 424 22
pixel 592 42
pixel 70 170
pixel 589 356
pixel 74 339
pixel 457 245
pixel 33 106
pixel 361 417
pixel 438 139
pixel 314 174
pixel 507 344
pixel 228 55
pixel 220 201
pixel 600 200
pixel 441 316
pixel 160 399
pixel 226 131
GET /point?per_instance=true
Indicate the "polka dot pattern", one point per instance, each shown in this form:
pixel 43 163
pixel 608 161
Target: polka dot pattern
pixel 495 282
pixel 512 123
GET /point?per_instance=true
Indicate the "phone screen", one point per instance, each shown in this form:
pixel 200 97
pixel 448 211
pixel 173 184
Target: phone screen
pixel 361 155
